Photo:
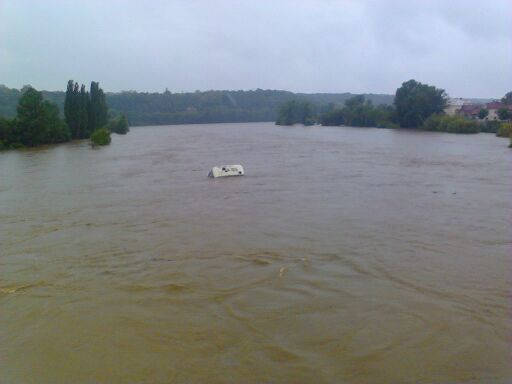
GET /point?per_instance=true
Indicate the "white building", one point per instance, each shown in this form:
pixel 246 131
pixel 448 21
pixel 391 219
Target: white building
pixel 453 106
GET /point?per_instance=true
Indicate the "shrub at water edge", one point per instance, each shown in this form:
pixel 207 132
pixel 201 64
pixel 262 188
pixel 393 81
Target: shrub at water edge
pixel 490 126
pixel 100 136
pixel 504 130
pixel 295 112
pixel 452 124
pixel 119 126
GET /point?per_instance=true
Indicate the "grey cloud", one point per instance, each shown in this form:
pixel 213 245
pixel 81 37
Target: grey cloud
pixel 299 45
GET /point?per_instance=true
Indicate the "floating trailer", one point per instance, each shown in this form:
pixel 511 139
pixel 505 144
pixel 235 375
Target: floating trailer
pixel 226 170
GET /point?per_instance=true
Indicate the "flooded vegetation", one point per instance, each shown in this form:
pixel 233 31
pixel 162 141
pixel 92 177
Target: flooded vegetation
pixel 343 255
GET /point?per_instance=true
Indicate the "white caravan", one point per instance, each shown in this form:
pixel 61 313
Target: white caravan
pixel 227 170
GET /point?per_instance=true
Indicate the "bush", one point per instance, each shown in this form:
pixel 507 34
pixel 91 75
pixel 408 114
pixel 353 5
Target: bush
pixel 295 112
pixel 334 117
pixel 451 124
pixel 387 124
pixel 119 126
pixel 490 126
pixel 309 121
pixel 505 130
pixel 100 136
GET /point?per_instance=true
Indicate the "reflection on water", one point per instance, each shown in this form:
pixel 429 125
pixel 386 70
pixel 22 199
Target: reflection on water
pixel 344 255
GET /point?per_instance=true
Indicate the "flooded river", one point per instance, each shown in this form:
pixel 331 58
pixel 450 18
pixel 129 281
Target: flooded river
pixel 345 255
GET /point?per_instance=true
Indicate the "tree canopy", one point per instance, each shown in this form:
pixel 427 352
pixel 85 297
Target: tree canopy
pixel 119 125
pixel 507 99
pixel 415 102
pixel 295 112
pixel 503 114
pixel 483 113
pixel 358 112
pixel 38 121
pixel 84 111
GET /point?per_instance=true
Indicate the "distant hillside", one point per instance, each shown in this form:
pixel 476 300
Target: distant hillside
pixel 144 108
pixel 9 99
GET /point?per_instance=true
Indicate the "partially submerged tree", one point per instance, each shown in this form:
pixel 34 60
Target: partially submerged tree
pixel 415 102
pixel 295 112
pixel 100 137
pixel 119 126
pixel 38 121
pixel 84 111
pixel 503 114
pixel 359 112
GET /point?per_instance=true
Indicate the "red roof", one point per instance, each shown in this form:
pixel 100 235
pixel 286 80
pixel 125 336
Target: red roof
pixel 494 105
pixel 470 109
pixel 498 105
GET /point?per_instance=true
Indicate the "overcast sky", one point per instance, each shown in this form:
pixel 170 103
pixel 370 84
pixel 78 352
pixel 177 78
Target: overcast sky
pixel 463 46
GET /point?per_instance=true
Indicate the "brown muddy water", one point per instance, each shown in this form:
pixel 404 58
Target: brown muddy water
pixel 345 255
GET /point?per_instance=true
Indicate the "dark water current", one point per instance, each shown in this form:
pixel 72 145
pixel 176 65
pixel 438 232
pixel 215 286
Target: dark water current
pixel 345 255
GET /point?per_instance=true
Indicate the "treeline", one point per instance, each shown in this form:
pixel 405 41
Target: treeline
pixel 142 108
pixel 415 105
pixel 38 121
pixel 293 112
pixel 223 106
pixel 356 112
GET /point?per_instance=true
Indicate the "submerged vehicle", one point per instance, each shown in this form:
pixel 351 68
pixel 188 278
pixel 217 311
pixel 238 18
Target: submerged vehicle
pixel 226 170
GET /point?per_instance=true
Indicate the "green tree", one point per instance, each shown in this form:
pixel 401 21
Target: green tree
pixel 507 99
pixel 415 102
pixel 503 114
pixel 83 114
pixel 56 131
pixel 76 105
pixel 29 111
pixel 72 109
pixel 119 126
pixel 295 112
pixel 7 133
pixel 100 136
pixel 483 113
pixel 38 121
pixel 69 108
pixel 359 112
pixel 98 110
pixel 332 117
pixel 93 107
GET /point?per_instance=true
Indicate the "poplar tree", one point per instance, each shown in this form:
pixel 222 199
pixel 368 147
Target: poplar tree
pixel 75 110
pixel 83 113
pixel 98 110
pixel 93 107
pixel 68 108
